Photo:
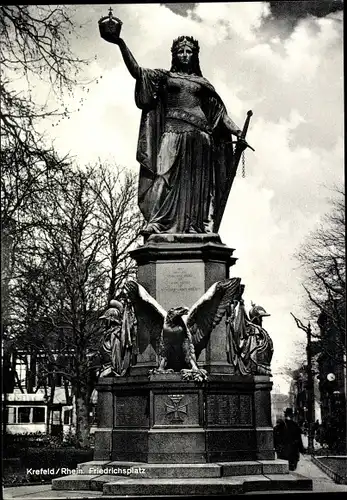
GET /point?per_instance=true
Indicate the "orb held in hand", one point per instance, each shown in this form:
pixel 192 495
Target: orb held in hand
pixel 110 27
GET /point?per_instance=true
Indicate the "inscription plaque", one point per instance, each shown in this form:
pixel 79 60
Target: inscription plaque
pixel 179 283
pixel 246 416
pixel 132 411
pixel 233 408
pixel 229 410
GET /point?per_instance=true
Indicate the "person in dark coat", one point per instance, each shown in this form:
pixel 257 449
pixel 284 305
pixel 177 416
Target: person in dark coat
pixel 291 440
pixel 279 431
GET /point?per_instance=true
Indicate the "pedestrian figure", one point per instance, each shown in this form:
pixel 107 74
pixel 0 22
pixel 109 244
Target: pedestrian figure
pixel 316 432
pixel 279 431
pixel 288 440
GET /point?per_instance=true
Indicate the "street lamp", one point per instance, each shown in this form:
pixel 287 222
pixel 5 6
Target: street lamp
pixel 330 378
pixel 310 390
pixel 310 383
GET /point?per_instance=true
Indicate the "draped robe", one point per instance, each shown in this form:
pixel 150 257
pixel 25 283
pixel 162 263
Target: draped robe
pixel 184 176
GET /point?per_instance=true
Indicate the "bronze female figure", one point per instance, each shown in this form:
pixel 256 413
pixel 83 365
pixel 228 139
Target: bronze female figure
pixel 184 148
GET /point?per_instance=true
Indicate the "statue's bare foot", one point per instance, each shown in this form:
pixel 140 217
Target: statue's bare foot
pixel 198 375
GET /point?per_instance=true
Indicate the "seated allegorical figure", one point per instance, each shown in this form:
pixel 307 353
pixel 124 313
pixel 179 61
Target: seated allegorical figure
pixel 250 348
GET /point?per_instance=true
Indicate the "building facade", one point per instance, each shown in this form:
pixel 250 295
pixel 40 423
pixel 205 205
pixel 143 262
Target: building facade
pixel 31 406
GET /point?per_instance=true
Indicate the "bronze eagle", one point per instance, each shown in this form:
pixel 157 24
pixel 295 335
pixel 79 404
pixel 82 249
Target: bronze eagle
pixel 179 335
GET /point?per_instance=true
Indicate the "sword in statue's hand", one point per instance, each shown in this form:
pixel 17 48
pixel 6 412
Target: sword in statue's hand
pixel 242 143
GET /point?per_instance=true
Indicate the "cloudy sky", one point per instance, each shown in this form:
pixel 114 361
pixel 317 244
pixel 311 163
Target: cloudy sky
pixel 283 63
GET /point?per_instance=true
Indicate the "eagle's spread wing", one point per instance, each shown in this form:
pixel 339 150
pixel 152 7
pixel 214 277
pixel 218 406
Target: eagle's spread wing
pixel 148 312
pixel 208 311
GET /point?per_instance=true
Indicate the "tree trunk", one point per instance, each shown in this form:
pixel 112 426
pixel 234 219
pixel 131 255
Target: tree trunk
pixel 50 401
pixel 8 386
pixel 82 417
pixel 31 373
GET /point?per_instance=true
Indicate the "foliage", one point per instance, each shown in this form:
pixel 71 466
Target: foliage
pixel 36 39
pixel 34 43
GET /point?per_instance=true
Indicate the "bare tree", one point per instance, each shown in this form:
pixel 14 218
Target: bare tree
pixel 120 220
pixel 71 240
pixel 322 257
pixel 64 277
pixel 66 232
pixel 34 44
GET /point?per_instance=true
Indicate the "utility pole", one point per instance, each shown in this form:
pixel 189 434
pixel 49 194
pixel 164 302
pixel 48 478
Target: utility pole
pixel 345 384
pixel 310 390
pixel 309 384
pixel 345 389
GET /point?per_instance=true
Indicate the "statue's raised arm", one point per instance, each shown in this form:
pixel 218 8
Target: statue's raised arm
pixel 129 59
pixel 110 28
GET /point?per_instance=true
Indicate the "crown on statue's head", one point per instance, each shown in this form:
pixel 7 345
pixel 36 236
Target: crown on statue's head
pixel 187 41
pixel 110 25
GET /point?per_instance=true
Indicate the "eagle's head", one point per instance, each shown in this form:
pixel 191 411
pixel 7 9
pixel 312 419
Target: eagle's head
pixel 174 315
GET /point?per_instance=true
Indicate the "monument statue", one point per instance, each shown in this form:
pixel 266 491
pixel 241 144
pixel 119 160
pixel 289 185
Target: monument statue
pixel 250 347
pixel 119 336
pixel 185 387
pixel 185 148
pixel 178 342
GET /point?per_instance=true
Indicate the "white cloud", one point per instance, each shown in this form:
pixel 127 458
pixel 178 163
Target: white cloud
pixel 239 19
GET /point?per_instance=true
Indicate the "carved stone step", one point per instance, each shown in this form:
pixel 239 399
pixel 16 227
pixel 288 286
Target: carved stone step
pixel 121 487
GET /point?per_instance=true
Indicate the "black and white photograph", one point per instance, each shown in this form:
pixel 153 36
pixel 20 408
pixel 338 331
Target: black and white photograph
pixel 173 295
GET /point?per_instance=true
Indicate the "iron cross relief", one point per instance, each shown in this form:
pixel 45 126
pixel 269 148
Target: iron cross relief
pixel 176 409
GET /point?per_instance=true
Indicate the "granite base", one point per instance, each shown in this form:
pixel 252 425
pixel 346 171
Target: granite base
pixel 182 479
pixel 164 419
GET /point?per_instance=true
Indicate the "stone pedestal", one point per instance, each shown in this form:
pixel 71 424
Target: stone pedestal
pixel 177 270
pixel 163 419
pixel 173 437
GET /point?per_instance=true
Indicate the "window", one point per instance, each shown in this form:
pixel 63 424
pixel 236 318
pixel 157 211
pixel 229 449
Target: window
pixel 21 369
pixel 10 415
pixel 56 416
pixel 39 415
pixel 23 415
pixel 67 417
